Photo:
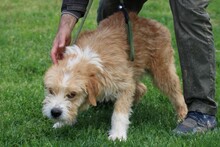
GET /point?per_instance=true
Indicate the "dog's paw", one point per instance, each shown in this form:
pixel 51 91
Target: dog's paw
pixel 121 136
pixel 61 124
pixel 58 125
pixel 182 112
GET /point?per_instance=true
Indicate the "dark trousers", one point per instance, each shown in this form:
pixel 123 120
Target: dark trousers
pixel 195 45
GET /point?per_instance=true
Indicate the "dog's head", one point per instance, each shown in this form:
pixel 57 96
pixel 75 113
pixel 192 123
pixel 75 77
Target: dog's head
pixel 71 84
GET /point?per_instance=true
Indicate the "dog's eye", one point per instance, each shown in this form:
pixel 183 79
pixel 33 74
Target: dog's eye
pixel 51 91
pixel 71 95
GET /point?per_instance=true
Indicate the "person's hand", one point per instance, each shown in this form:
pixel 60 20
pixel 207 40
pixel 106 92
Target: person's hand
pixel 63 37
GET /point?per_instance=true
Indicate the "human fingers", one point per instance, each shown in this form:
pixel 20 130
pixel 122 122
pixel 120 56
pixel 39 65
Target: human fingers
pixel 53 53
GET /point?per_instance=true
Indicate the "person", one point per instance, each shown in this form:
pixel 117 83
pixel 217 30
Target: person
pixel 195 44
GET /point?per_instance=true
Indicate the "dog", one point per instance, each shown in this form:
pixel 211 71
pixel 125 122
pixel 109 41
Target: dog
pixel 97 68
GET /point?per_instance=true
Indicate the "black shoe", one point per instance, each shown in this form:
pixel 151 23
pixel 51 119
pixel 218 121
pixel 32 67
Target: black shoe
pixel 196 122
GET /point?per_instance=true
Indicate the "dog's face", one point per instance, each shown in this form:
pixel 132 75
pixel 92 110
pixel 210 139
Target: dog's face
pixel 64 93
pixel 70 85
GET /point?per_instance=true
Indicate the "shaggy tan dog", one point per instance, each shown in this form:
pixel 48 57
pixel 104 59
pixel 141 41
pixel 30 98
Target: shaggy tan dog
pixel 97 68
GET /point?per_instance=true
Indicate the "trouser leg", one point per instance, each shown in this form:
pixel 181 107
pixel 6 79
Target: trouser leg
pixel 108 7
pixel 197 53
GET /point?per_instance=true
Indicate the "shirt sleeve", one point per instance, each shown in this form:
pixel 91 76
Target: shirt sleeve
pixel 77 8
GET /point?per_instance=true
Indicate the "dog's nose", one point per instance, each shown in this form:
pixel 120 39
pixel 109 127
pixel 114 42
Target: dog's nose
pixel 56 112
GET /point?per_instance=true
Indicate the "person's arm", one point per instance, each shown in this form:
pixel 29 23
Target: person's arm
pixel 71 11
pixel 77 8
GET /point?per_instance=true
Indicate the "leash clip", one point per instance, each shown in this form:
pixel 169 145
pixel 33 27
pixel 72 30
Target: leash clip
pixel 122 8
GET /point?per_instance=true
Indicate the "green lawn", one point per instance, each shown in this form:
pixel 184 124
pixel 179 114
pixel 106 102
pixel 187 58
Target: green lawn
pixel 27 30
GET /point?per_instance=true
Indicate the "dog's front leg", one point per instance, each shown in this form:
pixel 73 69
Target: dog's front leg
pixel 60 124
pixel 120 118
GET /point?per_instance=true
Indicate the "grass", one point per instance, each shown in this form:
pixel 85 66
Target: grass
pixel 27 30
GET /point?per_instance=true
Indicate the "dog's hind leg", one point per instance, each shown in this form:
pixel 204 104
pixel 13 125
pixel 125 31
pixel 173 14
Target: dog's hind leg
pixel 139 92
pixel 122 110
pixel 167 81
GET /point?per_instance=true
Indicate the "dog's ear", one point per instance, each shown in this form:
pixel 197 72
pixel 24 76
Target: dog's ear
pixel 92 89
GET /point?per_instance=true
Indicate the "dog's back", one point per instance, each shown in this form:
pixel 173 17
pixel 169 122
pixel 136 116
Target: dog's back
pixel 151 40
